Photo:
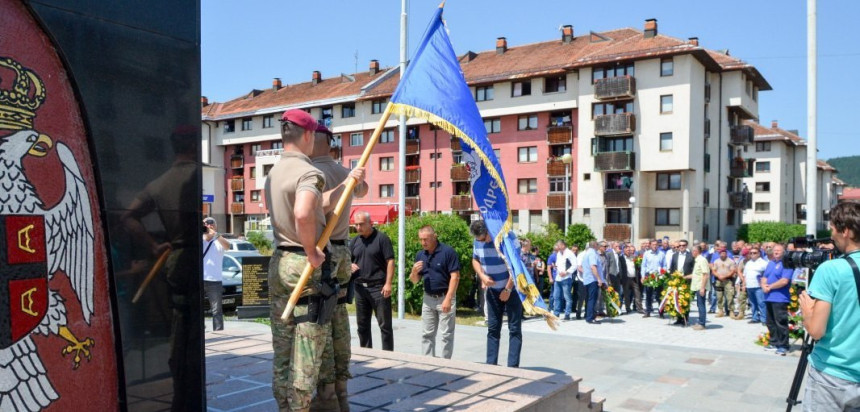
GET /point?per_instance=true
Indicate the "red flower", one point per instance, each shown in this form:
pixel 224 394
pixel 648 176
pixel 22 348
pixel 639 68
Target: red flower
pixel 662 271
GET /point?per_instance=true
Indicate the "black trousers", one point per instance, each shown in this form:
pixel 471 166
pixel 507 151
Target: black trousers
pixel 632 294
pixel 777 324
pixel 369 300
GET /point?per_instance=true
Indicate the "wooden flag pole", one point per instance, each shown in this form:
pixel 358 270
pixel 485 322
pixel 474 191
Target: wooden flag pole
pixel 151 275
pixel 338 210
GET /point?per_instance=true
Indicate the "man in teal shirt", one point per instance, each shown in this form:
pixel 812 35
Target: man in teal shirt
pixel 831 314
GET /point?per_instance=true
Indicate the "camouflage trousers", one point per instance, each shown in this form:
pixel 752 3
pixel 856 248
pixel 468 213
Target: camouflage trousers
pixel 725 296
pixel 335 365
pixel 298 347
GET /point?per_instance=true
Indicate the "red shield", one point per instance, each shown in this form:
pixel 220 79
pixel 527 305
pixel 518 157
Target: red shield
pixel 24 274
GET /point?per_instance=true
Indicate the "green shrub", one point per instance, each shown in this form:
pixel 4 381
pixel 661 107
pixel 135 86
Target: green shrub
pixel 545 239
pixel 453 231
pixel 579 234
pixel 770 231
pixel 258 239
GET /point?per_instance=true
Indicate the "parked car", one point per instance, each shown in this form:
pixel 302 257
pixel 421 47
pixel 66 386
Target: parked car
pixel 231 273
pixel 241 245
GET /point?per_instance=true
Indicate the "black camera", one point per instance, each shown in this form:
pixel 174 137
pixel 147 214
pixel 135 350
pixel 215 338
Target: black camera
pixel 808 259
pixel 205 229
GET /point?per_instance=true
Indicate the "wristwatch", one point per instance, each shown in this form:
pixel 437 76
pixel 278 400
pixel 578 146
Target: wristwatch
pixel 507 290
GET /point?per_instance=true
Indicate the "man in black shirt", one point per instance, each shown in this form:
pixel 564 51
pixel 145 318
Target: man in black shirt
pixel 438 265
pixel 373 270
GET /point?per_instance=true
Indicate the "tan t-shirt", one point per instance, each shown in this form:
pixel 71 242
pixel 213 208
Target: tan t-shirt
pixel 293 173
pixel 334 174
pixel 723 267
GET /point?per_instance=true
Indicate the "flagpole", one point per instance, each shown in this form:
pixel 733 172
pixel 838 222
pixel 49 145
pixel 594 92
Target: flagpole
pixel 401 218
pixel 335 216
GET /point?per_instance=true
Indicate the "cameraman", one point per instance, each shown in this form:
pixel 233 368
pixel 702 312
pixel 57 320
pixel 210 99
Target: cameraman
pixel 831 314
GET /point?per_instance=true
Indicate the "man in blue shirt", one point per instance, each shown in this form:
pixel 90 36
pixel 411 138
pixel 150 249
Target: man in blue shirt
pixel 438 265
pixel 775 283
pixel 592 274
pixel 652 262
pixel 501 296
pixel 551 266
pixel 831 313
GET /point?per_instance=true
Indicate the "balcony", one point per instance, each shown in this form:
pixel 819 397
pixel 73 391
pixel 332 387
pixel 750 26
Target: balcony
pixel 270 152
pixel 741 135
pixel 555 201
pixel 559 134
pixel 413 146
pixel 237 185
pixel 237 208
pixel 614 161
pixel 413 203
pixel 555 167
pixel 740 200
pixel 237 161
pixel 617 231
pixel 738 171
pixel 455 144
pixel 461 202
pixel 621 87
pixel 413 174
pixel 459 173
pixel 614 124
pixel 617 198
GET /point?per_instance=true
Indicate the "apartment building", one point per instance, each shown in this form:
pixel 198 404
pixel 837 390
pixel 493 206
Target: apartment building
pixel 776 180
pixel 654 125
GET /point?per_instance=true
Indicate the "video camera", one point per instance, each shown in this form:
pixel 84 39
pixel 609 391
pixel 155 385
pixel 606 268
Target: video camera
pixel 808 259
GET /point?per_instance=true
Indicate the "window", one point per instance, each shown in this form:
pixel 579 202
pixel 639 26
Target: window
pixel 615 144
pixel 526 186
pixel 555 84
pixel 347 110
pixel 498 153
pixel 229 126
pixel 377 106
pixel 599 109
pixel 762 146
pixel 561 118
pixel 556 185
pixel 668 217
pixel 457 157
pixel 523 88
pixel 327 115
pixel 435 155
pixel 527 122
pixel 335 141
pixel 762 186
pixel 621 69
pixel 762 167
pixel 527 154
pixel 707 163
pixel 666 103
pixel 267 169
pixel 386 190
pixel 669 181
pixel 255 148
pixel 238 197
pixel 268 121
pixel 247 123
pixel 252 172
pixel 755 94
pixel 748 88
pixel 356 139
pixel 619 181
pixel 255 195
pixel 412 133
pixel 731 217
pixel 618 216
pixel 586 212
pixel 667 67
pixel 387 136
pixel 559 150
pixel 278 145
pixel 386 163
pixel 493 125
pixel 666 142
pixel 484 93
pixel 353 163
pixel 586 176
pixel 762 207
pixel 706 198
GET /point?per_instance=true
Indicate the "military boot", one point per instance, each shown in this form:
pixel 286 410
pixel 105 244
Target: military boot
pixel 326 399
pixel 342 395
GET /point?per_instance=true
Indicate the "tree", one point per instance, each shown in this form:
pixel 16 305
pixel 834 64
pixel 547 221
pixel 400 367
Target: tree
pixel 258 239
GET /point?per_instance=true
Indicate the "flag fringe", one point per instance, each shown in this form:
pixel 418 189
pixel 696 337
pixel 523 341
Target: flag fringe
pixel 412 111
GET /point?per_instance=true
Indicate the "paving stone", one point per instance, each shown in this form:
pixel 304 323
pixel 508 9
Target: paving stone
pixel 431 400
pixel 638 405
pixel 439 377
pixel 241 399
pixel 386 394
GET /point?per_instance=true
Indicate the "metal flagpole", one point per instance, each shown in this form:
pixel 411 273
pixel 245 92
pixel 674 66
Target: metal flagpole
pixel 811 120
pixel 401 199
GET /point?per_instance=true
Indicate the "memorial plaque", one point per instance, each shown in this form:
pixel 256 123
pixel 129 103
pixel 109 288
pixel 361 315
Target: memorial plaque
pixel 255 287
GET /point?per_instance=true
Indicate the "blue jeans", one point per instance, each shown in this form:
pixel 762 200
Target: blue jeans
pixel 592 290
pixel 562 290
pixel 495 308
pixel 703 308
pixel 652 295
pixel 712 295
pixel 756 297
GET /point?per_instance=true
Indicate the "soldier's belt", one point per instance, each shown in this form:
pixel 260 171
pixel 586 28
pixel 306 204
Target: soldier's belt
pixel 341 242
pixel 292 249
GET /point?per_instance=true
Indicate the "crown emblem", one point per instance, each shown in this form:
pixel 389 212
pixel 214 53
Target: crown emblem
pixel 18 104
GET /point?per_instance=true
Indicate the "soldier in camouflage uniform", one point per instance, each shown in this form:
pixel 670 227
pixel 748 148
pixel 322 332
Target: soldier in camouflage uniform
pixel 295 198
pixel 332 388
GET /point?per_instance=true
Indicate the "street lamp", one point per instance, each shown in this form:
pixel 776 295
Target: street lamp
pixel 567 159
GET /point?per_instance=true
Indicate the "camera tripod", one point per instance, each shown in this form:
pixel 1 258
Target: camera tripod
pixel 805 350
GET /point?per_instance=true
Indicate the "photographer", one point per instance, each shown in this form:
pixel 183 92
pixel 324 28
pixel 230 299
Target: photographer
pixel 831 314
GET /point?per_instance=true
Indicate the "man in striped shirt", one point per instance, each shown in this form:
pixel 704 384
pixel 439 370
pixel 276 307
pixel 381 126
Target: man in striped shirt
pixel 501 297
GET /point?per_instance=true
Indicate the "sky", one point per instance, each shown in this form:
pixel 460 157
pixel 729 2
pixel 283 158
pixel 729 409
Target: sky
pixel 244 45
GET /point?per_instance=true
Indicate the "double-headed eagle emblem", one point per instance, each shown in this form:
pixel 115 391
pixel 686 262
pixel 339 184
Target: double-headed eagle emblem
pixel 35 245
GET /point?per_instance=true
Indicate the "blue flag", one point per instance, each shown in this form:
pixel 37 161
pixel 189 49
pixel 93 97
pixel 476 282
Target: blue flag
pixel 434 88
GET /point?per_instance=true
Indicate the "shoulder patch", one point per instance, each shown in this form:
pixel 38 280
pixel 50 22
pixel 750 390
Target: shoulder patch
pixel 320 183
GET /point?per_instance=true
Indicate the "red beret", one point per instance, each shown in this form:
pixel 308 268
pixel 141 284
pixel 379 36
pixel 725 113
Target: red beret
pixel 300 118
pixel 322 129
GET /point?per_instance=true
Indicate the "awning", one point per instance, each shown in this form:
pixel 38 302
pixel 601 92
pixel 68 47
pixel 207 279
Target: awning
pixel 379 213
